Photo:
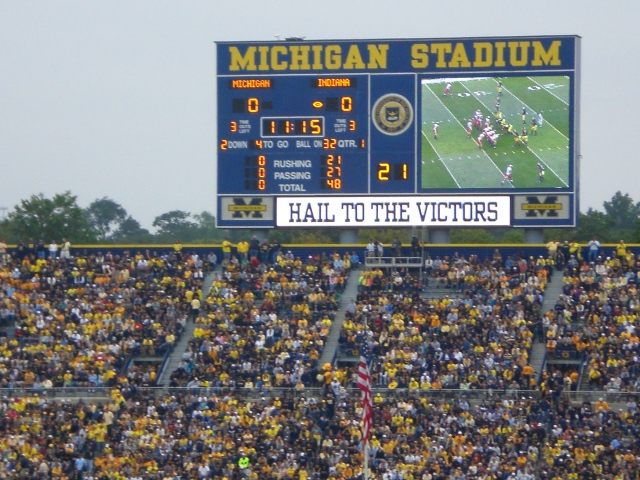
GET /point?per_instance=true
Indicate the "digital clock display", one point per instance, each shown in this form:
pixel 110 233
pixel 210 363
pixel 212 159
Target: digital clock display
pixel 292 127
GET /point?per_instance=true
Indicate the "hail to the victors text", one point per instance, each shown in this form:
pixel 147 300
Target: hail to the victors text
pixel 394 211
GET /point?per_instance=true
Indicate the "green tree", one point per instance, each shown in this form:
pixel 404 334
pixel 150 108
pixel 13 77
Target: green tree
pixel 105 216
pixel 176 225
pixel 5 231
pixel 51 219
pixel 207 230
pixel 471 236
pixel 130 231
pixel 595 224
pixel 513 236
pixel 305 235
pixel 385 235
pixel 623 211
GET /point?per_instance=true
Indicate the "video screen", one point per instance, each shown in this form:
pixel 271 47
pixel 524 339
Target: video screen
pixel 496 132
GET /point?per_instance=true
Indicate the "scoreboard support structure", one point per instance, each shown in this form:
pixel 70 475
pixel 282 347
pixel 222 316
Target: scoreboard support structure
pixel 533 236
pixel 348 236
pixel 388 133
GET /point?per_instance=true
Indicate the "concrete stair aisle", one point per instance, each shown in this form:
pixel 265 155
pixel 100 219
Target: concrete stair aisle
pixel 539 348
pixel 332 343
pixel 181 346
pixel 552 292
pixel 537 358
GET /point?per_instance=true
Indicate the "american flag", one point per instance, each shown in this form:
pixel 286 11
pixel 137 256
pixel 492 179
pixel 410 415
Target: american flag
pixel 364 384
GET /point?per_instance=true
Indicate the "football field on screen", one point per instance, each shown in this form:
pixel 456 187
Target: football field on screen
pixel 454 159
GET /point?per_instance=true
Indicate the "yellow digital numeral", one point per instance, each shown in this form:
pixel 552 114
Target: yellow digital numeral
pixel 383 171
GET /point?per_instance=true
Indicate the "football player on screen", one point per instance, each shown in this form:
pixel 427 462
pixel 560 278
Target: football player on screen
pixel 540 172
pixel 508 175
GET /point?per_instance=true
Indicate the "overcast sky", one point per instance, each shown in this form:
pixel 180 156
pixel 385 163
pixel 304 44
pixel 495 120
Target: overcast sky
pixel 117 98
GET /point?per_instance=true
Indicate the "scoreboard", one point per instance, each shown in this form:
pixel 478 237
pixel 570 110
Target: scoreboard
pixel 294 135
pixel 309 131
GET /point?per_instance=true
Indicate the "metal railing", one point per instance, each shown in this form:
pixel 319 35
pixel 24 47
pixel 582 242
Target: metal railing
pixel 393 262
pixel 101 393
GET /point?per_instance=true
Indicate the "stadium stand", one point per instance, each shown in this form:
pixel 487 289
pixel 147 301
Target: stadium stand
pixel 478 335
pixel 264 325
pixel 454 394
pixel 77 321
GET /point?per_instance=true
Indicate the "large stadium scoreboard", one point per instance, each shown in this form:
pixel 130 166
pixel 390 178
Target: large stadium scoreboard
pixel 375 133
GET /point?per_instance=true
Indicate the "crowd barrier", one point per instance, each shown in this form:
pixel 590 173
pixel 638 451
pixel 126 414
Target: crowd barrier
pixel 99 393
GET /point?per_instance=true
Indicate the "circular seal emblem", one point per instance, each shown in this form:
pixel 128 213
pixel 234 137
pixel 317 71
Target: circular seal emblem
pixel 392 114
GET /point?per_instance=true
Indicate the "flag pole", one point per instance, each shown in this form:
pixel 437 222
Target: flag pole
pixel 364 385
pixel 366 460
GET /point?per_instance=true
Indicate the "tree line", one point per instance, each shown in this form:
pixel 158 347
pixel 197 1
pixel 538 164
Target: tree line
pixel 106 221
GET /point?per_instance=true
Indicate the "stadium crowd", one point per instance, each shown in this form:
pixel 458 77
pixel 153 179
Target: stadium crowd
pixel 595 318
pixel 476 335
pixel 227 435
pixel 263 324
pixel 262 328
pixel 77 319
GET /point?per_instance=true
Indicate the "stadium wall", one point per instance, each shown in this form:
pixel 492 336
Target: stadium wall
pixel 304 250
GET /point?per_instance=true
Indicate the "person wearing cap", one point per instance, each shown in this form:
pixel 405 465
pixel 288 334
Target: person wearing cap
pixel 602 405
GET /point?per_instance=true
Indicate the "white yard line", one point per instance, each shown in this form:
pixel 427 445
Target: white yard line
pixel 465 130
pixel 549 91
pixel 528 148
pixel 533 111
pixel 440 158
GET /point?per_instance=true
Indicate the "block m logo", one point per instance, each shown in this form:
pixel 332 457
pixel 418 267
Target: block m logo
pixel 241 209
pixel 548 207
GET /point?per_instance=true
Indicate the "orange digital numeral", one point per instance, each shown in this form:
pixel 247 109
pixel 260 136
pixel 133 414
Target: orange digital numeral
pixel 329 143
pixel 334 172
pixel 253 105
pixel 337 159
pixel 316 126
pixel 346 104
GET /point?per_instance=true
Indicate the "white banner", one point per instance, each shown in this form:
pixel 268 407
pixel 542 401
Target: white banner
pixel 392 211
